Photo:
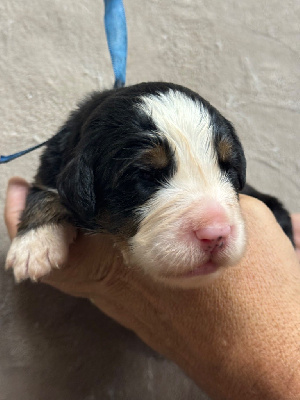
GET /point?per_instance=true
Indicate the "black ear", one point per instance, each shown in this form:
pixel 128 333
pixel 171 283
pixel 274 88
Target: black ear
pixel 75 185
pixel 241 168
pixel 236 166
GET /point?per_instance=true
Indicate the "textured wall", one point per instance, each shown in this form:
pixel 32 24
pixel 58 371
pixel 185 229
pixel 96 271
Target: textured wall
pixel 243 56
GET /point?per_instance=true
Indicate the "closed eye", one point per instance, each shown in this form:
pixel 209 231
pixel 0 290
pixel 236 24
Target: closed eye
pixel 148 175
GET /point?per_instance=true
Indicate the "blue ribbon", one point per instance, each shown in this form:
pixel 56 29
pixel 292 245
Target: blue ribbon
pixel 6 159
pixel 116 34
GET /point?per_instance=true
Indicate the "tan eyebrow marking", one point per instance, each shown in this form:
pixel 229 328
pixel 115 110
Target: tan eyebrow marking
pixel 224 150
pixel 156 157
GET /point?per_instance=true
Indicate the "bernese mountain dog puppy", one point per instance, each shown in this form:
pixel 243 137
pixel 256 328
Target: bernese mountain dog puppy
pixel 155 166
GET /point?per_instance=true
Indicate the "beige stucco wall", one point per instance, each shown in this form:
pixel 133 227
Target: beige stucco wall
pixel 243 56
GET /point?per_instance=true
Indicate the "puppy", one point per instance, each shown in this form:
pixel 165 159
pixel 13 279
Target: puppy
pixel 154 165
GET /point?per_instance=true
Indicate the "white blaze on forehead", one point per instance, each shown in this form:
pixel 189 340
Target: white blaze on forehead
pixel 186 124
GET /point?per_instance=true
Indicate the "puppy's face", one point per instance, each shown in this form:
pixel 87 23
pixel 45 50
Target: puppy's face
pixel 160 169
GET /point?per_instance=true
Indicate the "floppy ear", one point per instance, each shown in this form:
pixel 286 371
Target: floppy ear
pixel 241 168
pixel 75 185
pixel 236 167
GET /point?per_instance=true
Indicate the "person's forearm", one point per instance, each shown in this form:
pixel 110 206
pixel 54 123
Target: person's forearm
pixel 254 355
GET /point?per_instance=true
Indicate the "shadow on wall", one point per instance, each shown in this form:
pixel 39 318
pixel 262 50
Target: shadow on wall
pixel 57 347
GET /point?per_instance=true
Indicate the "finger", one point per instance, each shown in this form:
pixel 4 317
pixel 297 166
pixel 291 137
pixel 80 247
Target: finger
pixel 17 190
pixel 296 231
pixel 296 228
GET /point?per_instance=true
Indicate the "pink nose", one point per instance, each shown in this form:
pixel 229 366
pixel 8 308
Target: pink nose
pixel 213 237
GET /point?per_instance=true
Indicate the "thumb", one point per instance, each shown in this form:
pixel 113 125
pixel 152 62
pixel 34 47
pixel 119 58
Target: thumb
pixel 296 231
pixel 17 190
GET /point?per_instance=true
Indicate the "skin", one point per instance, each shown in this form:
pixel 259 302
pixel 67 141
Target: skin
pixel 238 337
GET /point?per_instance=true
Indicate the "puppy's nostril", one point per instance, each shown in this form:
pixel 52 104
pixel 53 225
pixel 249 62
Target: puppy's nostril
pixel 206 240
pixel 212 233
pixel 217 241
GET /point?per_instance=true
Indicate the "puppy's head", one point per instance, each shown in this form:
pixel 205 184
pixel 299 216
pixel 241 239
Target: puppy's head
pixel 160 168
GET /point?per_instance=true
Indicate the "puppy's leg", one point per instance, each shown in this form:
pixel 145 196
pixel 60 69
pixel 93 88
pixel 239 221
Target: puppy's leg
pixel 43 237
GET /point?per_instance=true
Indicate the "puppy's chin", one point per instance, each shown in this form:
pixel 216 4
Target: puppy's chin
pixel 201 276
pixel 196 276
pixel 181 276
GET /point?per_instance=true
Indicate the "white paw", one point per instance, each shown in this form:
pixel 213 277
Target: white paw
pixel 33 254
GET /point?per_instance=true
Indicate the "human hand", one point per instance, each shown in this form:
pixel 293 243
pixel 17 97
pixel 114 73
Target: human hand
pixel 237 337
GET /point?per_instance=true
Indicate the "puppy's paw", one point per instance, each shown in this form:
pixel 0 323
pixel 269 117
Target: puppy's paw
pixel 34 253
